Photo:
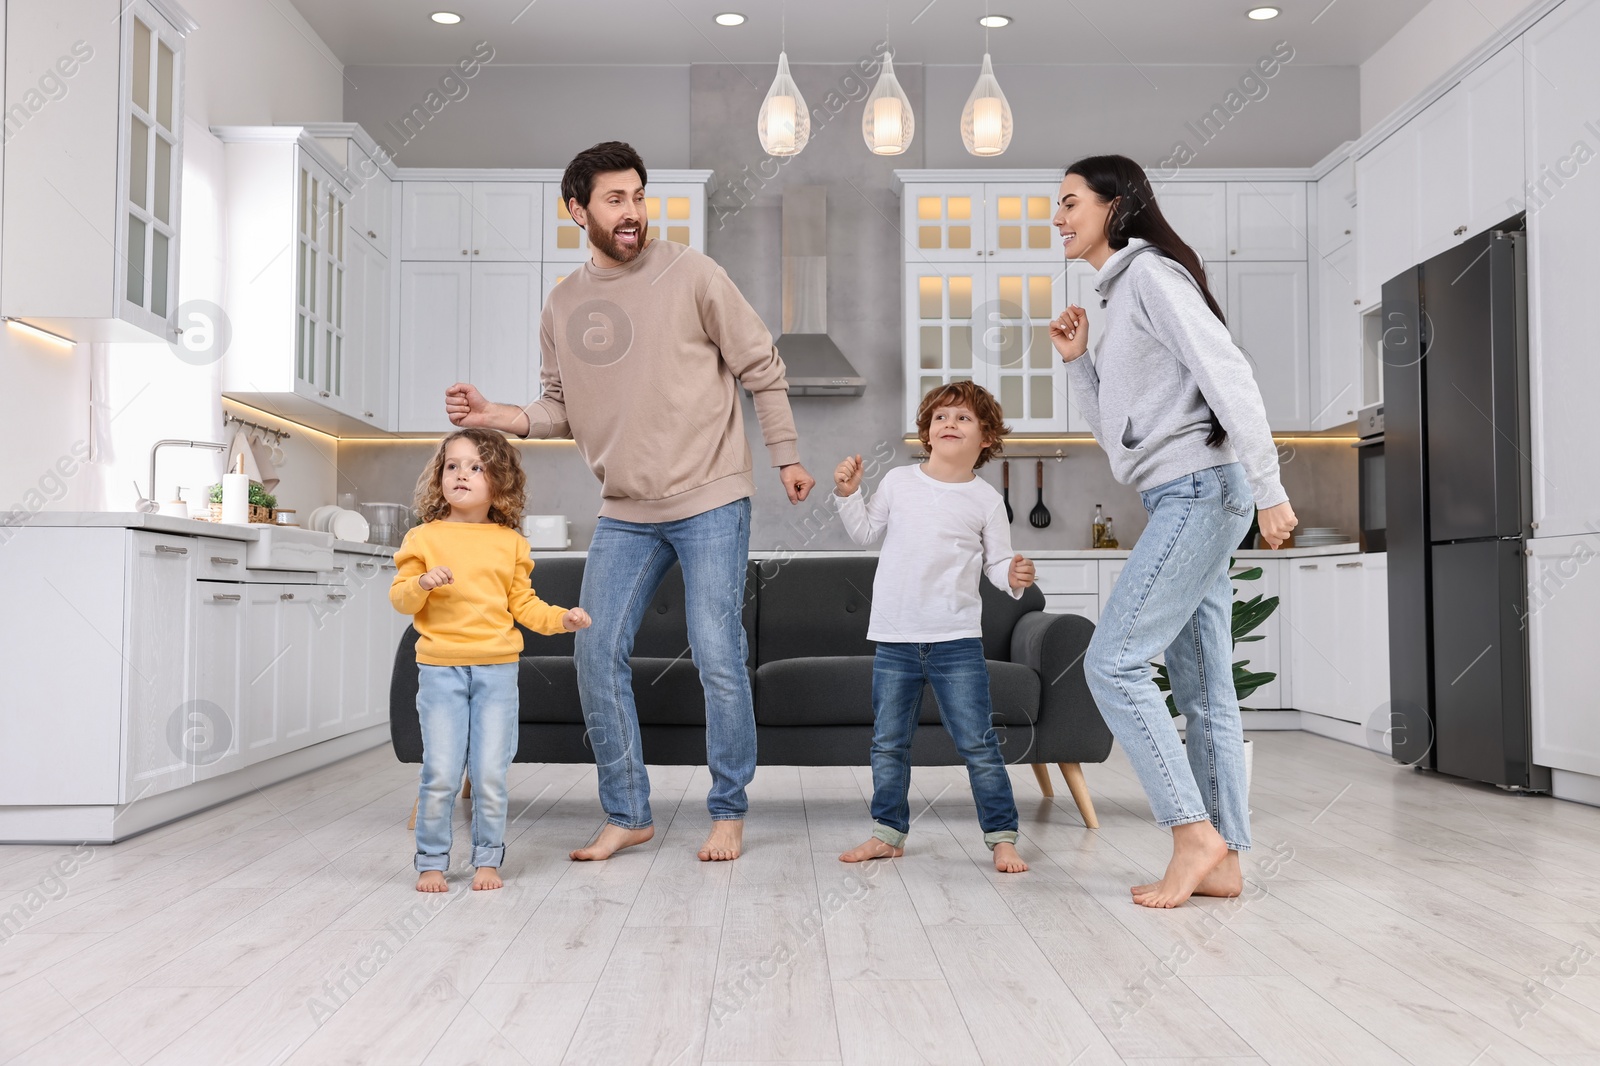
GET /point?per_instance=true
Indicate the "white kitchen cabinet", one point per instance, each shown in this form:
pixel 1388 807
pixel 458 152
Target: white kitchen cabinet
pixel 280 637
pixel 1011 343
pixel 93 175
pixel 1497 127
pixel 372 206
pixel 1017 225
pixel 1269 313
pixel 1266 654
pixel 1336 382
pixel 675 211
pixel 1337 619
pixel 1563 617
pixel 1266 220
pixel 1198 212
pixel 1080 293
pixel 1386 210
pixel 158 677
pixel 503 353
pixel 1372 633
pixel 1562 83
pixel 367 318
pixel 506 218
pixel 944 223
pixel 1082 606
pixel 939 304
pixel 209 730
pixel 1444 187
pixel 334 642
pixel 435 340
pixel 436 220
pixel 1336 210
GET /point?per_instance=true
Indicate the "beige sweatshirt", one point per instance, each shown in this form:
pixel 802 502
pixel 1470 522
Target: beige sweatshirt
pixel 641 367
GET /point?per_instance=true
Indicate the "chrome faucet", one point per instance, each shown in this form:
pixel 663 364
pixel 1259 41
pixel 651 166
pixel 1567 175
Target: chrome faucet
pixel 148 504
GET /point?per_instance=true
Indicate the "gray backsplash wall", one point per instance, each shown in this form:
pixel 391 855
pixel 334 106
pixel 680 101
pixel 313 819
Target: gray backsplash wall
pixel 864 307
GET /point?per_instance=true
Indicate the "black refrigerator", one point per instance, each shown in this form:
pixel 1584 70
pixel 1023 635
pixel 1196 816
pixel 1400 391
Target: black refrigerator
pixel 1455 380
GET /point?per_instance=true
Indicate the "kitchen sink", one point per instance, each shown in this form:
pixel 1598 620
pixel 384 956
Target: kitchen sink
pixel 289 548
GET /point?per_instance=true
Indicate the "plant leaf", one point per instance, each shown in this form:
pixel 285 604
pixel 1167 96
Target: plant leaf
pixel 1252 574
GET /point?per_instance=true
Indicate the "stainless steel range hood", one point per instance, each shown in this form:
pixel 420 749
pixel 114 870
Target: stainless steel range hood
pixel 813 362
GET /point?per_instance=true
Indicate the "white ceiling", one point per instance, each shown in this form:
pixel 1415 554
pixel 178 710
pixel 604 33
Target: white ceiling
pixel 1340 32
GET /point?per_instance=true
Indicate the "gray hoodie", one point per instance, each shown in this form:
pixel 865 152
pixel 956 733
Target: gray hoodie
pixel 1163 364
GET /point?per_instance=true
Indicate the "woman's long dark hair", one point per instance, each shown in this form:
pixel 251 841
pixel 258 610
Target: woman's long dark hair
pixel 1116 177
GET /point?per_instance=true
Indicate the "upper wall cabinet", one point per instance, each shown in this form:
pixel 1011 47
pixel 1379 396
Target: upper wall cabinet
pixel 93 165
pixel 297 348
pixel 1563 85
pixel 1386 208
pixel 369 173
pixel 675 211
pixel 1266 220
pixel 1336 208
pixel 1198 211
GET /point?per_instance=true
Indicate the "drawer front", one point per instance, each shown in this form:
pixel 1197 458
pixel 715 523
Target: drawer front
pixel 1068 576
pixel 1087 606
pixel 351 569
pixel 220 560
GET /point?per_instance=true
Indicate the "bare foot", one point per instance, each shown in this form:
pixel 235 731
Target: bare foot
pixel 1225 880
pixel 872 849
pixel 612 839
pixel 1197 849
pixel 1007 861
pixel 487 879
pixel 432 881
pixel 725 842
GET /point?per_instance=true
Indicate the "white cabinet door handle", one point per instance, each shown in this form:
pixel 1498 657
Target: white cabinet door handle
pixel 286 596
pixel 226 597
pixel 1308 566
pixel 337 596
pixel 222 560
pixel 168 549
pixel 1347 566
pixel 365 566
pixel 374 236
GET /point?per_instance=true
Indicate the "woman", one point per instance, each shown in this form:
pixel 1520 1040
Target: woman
pixel 1173 402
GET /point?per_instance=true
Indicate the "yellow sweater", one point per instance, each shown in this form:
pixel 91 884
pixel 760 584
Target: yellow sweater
pixel 469 622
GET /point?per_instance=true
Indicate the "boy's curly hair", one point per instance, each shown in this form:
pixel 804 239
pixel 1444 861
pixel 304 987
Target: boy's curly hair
pixel 508 485
pixel 975 398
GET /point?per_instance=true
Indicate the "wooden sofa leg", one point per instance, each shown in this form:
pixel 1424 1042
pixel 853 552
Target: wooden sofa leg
pixel 414 803
pixel 1042 773
pixel 1080 793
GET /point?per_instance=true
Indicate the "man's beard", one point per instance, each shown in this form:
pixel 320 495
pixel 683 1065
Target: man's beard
pixel 606 241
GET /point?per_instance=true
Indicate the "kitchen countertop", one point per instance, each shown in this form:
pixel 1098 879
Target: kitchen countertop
pixel 188 527
pixel 1049 553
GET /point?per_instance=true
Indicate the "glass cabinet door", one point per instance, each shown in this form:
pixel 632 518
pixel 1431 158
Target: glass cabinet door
pixel 939 331
pixel 1011 338
pixel 1018 222
pixel 319 363
pixel 675 214
pixel 152 163
pixel 943 223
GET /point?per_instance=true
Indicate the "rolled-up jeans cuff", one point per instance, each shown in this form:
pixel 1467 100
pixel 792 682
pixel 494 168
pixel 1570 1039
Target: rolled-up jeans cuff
pixel 1236 847
pixel 489 856
pixel 620 824
pixel 436 863
pixel 1000 836
pixel 889 835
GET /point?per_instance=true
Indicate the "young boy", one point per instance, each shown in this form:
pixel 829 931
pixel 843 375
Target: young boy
pixel 945 527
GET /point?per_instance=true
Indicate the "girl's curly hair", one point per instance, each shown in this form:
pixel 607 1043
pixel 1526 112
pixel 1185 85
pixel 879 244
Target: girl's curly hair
pixel 508 485
pixel 975 398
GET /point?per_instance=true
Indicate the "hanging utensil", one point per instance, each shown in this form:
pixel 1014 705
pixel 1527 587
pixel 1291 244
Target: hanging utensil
pixel 1040 515
pixel 1005 489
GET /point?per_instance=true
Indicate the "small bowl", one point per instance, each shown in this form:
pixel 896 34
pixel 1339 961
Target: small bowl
pixel 287 518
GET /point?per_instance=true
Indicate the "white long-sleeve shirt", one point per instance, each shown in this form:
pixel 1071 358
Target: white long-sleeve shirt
pixel 941 537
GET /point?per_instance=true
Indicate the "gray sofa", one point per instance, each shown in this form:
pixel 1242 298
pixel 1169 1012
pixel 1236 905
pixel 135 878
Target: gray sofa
pixel 810 666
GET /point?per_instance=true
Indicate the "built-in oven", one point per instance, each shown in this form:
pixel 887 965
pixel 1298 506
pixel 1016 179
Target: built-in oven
pixel 1370 479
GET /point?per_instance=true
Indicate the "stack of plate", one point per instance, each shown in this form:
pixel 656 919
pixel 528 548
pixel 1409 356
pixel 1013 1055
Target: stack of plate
pixel 1316 536
pixel 343 523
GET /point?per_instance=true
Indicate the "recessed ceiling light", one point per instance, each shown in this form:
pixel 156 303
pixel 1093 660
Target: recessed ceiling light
pixel 730 18
pixel 445 18
pixel 1261 14
pixel 994 22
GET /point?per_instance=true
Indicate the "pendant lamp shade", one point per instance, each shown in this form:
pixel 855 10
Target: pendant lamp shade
pixel 986 120
pixel 886 123
pixel 784 124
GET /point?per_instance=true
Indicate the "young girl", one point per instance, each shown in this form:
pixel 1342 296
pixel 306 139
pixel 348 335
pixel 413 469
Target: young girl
pixel 464 575
pixel 1172 400
pixel 946 530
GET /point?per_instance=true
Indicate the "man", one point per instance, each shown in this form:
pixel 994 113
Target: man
pixel 643 349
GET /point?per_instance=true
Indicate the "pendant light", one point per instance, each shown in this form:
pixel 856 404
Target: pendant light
pixel 784 124
pixel 886 121
pixel 986 120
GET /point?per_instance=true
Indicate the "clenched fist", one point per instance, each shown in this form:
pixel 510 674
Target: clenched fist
pixel 1021 574
pixel 847 476
pixel 439 575
pixel 575 619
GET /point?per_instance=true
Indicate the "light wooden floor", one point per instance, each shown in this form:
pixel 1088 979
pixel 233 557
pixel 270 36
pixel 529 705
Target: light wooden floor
pixel 1391 916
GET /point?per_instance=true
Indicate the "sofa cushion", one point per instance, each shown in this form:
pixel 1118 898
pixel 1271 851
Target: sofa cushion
pixel 821 606
pixel 664 631
pixel 834 690
pixel 665 691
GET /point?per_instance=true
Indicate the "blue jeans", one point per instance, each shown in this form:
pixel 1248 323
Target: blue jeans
pixel 1174 595
pixel 627 563
pixel 960 680
pixel 469 723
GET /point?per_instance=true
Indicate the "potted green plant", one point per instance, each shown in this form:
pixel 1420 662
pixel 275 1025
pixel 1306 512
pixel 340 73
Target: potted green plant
pixel 262 502
pixel 1247 618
